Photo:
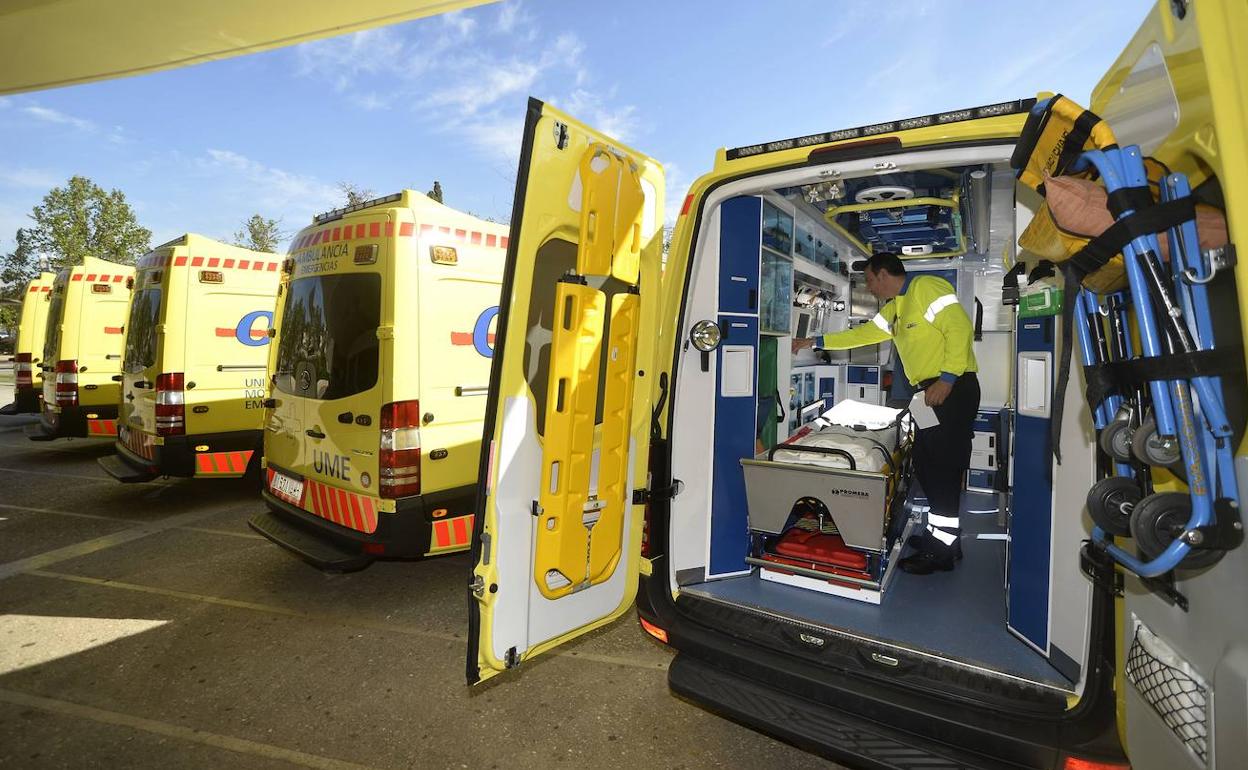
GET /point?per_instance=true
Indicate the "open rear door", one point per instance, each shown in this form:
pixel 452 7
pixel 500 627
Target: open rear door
pixel 1179 91
pixel 566 444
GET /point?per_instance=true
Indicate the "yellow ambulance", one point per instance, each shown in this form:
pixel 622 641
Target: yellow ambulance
pixel 621 433
pixel 193 375
pixel 82 350
pixel 28 354
pixel 378 372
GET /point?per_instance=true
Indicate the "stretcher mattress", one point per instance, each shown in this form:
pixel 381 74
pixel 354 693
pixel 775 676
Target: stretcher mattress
pixel 869 453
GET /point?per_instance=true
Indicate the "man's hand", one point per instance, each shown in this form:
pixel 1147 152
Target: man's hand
pixel 802 344
pixel 936 393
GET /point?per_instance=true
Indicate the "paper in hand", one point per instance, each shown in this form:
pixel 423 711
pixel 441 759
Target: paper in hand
pixel 922 414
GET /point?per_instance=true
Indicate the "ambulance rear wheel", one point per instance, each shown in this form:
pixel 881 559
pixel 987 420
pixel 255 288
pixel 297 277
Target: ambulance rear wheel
pixel 1110 502
pixel 1160 518
pixel 1116 440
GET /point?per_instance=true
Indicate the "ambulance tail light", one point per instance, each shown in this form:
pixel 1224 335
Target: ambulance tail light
pixel 1078 763
pixel 66 382
pixel 400 450
pixel 170 404
pixel 653 630
pixel 24 370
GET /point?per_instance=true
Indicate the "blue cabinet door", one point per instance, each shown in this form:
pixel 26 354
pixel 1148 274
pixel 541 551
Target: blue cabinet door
pixel 735 411
pixel 1031 510
pixel 739 230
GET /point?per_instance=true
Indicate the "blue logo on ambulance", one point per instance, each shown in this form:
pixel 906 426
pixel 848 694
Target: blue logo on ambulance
pixel 250 336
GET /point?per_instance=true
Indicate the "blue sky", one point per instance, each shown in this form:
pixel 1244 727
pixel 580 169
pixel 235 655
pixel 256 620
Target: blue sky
pixel 203 148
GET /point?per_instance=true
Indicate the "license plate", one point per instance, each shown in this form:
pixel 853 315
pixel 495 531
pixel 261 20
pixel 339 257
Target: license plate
pixel 290 490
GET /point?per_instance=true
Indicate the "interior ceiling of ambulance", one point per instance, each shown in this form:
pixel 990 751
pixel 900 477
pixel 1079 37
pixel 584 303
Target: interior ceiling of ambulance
pixel 55 43
pixel 913 213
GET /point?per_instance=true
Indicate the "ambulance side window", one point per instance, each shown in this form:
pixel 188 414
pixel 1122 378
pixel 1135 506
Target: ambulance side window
pixel 328 342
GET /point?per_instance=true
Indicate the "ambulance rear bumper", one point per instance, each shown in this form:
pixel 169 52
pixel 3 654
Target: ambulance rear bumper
pixel 404 534
pixel 177 456
pixel 69 422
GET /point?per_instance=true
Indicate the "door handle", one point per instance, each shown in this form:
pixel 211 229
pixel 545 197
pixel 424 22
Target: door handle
pixel 345 418
pixel 314 433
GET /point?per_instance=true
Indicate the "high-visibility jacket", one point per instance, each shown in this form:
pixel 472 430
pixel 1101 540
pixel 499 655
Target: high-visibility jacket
pixel 930 329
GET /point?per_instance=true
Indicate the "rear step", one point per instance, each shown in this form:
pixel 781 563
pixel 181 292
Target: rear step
pixel 123 471
pixel 316 550
pixel 921 672
pixel 812 726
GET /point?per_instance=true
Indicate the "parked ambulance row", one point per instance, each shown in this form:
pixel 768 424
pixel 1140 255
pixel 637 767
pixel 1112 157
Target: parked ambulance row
pixel 350 375
pixel 579 407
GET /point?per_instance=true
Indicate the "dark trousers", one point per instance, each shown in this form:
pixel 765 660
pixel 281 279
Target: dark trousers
pixel 942 454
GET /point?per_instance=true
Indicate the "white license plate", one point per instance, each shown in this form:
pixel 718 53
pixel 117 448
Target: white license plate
pixel 290 490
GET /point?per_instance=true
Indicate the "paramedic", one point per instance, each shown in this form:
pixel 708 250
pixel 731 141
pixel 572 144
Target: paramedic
pixel 932 335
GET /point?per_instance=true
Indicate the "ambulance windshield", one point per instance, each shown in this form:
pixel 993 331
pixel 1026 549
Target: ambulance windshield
pixel 141 330
pixel 328 345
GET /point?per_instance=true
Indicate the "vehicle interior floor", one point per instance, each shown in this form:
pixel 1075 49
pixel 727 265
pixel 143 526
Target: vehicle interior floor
pixel 957 615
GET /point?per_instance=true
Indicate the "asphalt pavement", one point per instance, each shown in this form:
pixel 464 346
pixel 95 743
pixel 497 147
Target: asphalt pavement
pixel 147 626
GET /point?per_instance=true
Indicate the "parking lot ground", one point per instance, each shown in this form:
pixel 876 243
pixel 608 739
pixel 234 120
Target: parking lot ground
pixel 147 626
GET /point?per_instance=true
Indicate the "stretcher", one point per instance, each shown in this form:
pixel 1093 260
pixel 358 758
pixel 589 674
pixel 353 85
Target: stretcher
pixel 826 508
pixel 1158 403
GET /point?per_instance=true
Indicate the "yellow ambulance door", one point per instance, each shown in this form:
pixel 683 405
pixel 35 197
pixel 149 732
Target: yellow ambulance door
pixel 105 306
pixel 54 329
pixel 155 288
pixel 557 544
pixel 331 359
pixel 283 422
pixel 1180 91
pixel 458 309
pixel 229 313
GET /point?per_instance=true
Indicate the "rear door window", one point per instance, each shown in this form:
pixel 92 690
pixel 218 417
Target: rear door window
pixel 328 345
pixel 52 340
pixel 141 330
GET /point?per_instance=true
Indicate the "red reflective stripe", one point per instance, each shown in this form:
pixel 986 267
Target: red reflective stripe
pixel 374 229
pixel 246 458
pixel 441 531
pixel 389 229
pixel 322 501
pixel 197 261
pixel 444 230
pixel 112 330
pixel 359 231
pixel 179 261
pixel 214 261
pixel 117 278
pixel 76 277
pixel 309 489
pixel 491 239
pixel 370 515
pixel 502 241
pixel 34 289
pixel 357 518
pixel 461 531
pixel 224 332
pixel 344 508
pixel 243 264
pixel 90 277
pixel 476 238
pixel 272 267
pixel 406 229
pixel 229 263
pixel 337 234
pixel 202 463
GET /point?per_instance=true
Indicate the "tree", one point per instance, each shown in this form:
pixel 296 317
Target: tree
pixel 16 269
pixel 436 193
pixel 260 234
pixel 81 220
pixel 355 194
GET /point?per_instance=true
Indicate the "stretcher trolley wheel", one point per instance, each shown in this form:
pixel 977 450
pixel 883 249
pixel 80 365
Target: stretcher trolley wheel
pixel 1110 502
pixel 1158 519
pixel 1151 449
pixel 1116 440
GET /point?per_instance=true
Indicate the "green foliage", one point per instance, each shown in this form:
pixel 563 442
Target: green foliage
pixel 260 234
pixel 81 220
pixel 355 194
pixel 19 265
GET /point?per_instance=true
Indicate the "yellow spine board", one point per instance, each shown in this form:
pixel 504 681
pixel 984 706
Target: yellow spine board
pixel 607 537
pixel 562 540
pixel 580 534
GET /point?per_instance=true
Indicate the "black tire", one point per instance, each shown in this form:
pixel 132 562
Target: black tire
pixel 1158 519
pixel 1115 440
pixel 1110 502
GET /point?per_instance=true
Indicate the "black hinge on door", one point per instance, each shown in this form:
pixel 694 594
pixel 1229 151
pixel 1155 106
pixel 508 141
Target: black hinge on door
pixel 643 496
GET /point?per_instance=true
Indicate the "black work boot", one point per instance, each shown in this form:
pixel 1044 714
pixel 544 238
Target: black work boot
pixel 932 556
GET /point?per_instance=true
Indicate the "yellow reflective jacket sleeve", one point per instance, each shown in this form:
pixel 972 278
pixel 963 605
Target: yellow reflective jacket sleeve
pixel 876 331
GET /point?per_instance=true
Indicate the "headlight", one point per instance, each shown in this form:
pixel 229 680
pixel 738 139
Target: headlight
pixel 706 336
